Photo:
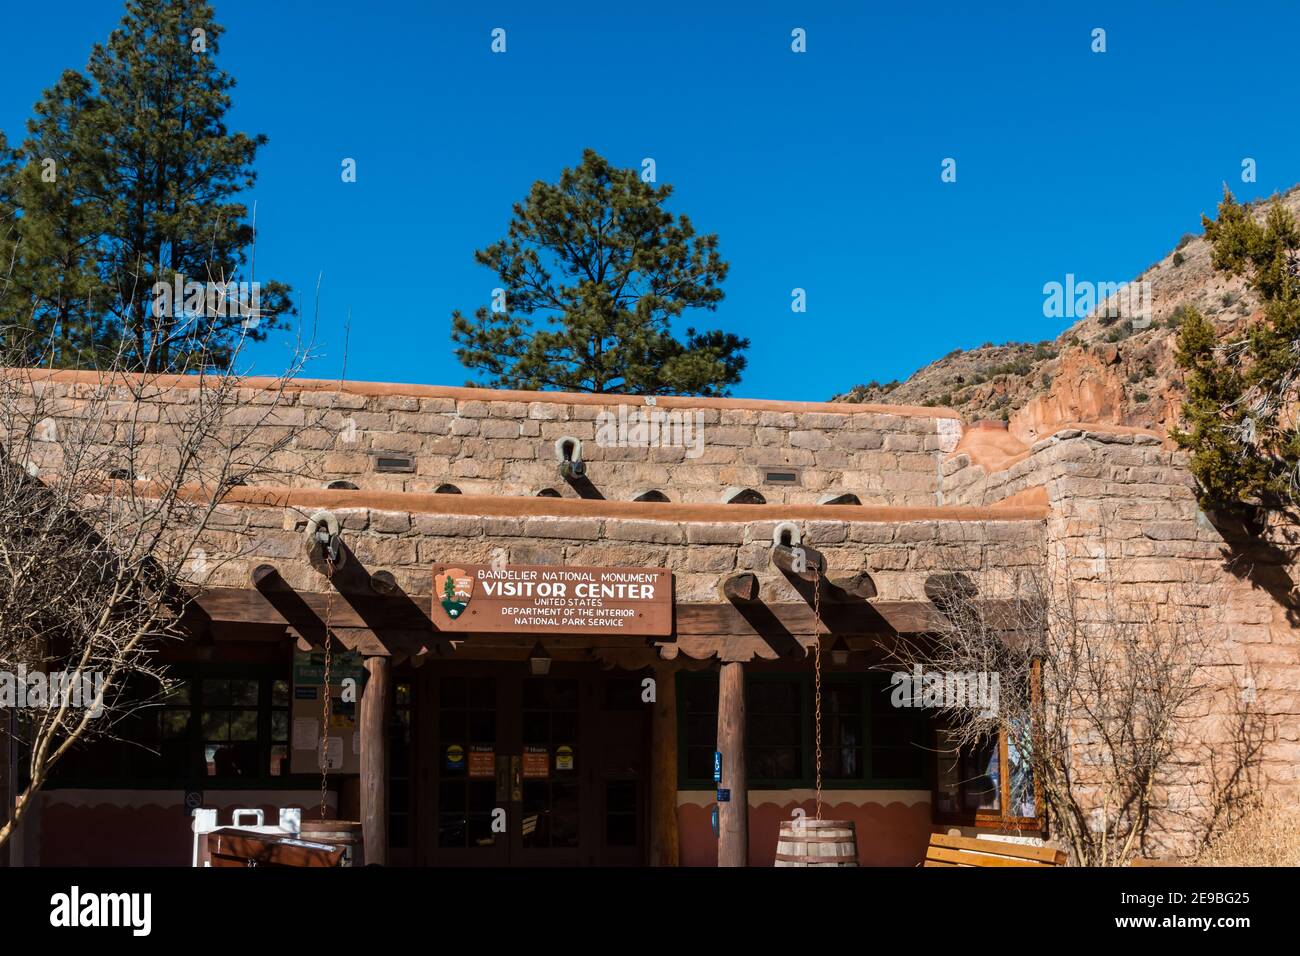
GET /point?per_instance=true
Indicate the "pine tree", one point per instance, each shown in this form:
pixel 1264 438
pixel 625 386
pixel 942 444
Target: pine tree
pixel 604 264
pixel 1242 393
pixel 8 228
pixel 56 281
pixel 147 191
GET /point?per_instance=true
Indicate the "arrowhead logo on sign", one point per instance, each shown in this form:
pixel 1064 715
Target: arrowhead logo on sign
pixel 456 588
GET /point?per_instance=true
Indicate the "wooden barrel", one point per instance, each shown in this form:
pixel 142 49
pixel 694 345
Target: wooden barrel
pixel 817 843
pixel 340 833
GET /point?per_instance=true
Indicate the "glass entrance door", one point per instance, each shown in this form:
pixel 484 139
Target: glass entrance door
pixel 552 792
pixel 531 770
pixel 470 789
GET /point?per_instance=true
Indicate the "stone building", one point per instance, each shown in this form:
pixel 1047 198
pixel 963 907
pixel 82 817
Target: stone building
pixel 561 735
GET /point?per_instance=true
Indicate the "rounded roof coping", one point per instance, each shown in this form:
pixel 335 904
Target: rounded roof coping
pixel 470 394
pixel 1034 508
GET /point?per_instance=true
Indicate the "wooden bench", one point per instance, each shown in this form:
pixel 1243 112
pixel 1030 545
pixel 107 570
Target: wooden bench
pixel 946 850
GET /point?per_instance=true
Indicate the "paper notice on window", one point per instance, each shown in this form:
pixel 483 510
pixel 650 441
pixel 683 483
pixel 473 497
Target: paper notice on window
pixel 306 733
pixel 333 754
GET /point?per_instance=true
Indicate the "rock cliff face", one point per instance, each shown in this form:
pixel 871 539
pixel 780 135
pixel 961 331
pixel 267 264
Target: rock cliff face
pixel 1101 369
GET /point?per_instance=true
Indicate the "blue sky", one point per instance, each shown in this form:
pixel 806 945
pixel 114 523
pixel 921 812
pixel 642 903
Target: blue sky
pixel 819 171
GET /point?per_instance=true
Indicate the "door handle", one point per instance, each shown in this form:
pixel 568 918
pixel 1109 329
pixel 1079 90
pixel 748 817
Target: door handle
pixel 503 778
pixel 516 778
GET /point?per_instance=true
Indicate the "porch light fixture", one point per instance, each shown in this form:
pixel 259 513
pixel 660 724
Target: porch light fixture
pixel 539 662
pixel 839 652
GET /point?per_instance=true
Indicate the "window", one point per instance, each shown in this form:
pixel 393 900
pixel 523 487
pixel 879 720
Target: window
pixel 988 784
pixel 774 731
pixel 224 729
pixel 280 702
pixel 229 724
pixel 866 743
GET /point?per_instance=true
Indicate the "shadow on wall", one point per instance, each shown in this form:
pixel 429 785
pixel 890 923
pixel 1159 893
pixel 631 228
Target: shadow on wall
pixel 1251 557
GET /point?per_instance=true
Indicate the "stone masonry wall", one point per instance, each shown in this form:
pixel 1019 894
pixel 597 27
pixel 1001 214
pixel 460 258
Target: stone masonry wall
pixel 1124 516
pixel 501 446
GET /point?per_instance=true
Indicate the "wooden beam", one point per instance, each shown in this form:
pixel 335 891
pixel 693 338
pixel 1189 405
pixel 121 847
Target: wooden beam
pixel 857 585
pixel 384 582
pixel 374 759
pixel 264 575
pixel 739 588
pixel 808 568
pixel 663 769
pixel 733 814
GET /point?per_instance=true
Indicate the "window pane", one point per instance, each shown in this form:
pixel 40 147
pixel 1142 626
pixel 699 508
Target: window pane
pixel 699 762
pixel 243 725
pixel 243 693
pixel 770 696
pixel 980 785
pixel 175 723
pixel 483 693
pixel 701 695
pixel 623 693
pixel 280 693
pixel 453 693
pixel 774 763
pixel 842 698
pixel 842 746
pixel 280 725
pixel 772 730
pixel 564 814
pixel 216 724
pixel 1021 782
pixel 216 691
pixel 231 760
pixel 900 739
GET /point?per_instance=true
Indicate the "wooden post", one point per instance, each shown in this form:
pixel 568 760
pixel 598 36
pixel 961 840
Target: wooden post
pixel 663 769
pixel 374 759
pixel 733 815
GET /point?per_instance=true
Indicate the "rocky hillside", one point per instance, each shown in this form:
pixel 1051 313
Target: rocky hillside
pixel 1101 369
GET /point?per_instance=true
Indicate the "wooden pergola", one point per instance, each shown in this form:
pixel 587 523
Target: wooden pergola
pixel 369 613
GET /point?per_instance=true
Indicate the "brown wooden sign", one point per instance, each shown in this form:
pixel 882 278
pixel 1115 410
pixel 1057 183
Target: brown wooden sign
pixel 551 599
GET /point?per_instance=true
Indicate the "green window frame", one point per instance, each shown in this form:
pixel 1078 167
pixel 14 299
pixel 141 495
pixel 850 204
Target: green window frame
pixel 856 714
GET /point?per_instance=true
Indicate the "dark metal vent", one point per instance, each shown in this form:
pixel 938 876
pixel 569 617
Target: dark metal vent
pixel 385 461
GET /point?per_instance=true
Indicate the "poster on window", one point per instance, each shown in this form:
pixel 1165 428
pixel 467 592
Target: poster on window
pixel 482 762
pixel 347 677
pixel 537 762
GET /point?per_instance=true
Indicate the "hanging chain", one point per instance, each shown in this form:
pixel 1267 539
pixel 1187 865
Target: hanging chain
pixel 325 710
pixel 817 677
